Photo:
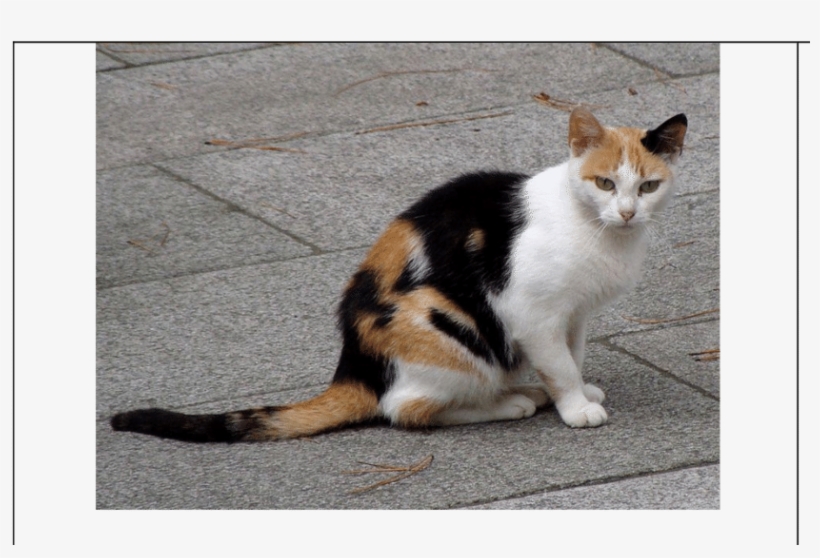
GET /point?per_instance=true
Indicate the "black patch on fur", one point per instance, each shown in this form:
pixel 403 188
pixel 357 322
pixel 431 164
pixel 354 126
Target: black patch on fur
pixel 445 217
pixel 178 426
pixel 406 281
pixel 464 335
pixel 357 366
pixel 657 141
pixel 362 297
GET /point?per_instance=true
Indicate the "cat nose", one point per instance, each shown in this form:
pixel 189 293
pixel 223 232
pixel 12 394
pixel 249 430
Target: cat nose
pixel 627 215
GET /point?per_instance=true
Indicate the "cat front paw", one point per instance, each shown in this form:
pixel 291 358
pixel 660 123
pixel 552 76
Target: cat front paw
pixel 591 414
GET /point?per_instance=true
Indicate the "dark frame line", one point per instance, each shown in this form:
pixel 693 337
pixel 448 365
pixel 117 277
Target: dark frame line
pixel 797 209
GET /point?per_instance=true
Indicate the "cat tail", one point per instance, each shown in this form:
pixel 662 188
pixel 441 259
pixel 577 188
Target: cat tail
pixel 343 403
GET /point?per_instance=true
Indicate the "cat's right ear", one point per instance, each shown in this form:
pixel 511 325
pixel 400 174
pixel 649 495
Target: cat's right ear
pixel 585 131
pixel 666 140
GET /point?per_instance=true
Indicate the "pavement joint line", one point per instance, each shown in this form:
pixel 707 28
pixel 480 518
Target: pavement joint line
pixel 115 58
pixel 239 209
pixel 104 286
pixel 584 484
pixel 647 63
pixel 608 344
pixel 194 57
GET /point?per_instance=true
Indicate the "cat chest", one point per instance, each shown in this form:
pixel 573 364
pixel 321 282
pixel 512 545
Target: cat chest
pixel 572 280
pixel 599 281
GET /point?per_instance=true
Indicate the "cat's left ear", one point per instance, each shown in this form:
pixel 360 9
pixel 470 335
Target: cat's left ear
pixel 666 140
pixel 585 132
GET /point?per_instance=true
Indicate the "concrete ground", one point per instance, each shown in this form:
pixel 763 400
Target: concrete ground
pixel 238 188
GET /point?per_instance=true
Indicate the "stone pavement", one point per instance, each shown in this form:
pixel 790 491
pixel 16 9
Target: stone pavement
pixel 239 186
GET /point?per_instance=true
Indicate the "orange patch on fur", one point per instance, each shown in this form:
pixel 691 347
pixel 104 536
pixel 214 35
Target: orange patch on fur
pixel 617 146
pixel 391 252
pixel 409 334
pixel 585 132
pixel 418 412
pixel 340 404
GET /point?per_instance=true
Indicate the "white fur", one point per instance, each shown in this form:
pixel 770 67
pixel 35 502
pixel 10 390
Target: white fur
pixel 576 254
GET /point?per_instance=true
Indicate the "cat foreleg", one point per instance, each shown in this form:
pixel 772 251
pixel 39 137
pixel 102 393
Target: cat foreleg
pixel 578 404
pixel 576 341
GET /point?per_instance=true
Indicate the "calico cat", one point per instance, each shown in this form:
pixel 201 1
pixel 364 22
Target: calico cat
pixel 484 278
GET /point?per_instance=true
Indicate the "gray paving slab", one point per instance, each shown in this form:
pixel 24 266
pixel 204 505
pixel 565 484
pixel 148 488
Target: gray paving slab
pixel 681 350
pixel 656 424
pixel 146 53
pixel 674 58
pixel 364 180
pixel 241 312
pixel 151 225
pixel 170 110
pixel 697 488
pixel 211 336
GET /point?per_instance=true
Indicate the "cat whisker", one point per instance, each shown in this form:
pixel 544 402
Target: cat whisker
pixel 596 234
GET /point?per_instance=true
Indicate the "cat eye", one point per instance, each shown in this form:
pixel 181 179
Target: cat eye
pixel 604 183
pixel 650 186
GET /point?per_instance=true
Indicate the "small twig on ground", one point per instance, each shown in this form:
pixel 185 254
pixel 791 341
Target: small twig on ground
pixel 258 143
pixel 274 148
pixel 162 85
pixel 404 472
pixel 709 354
pixel 143 244
pixel 667 320
pixel 430 123
pixel 382 75
pixel 165 236
pixel 682 244
pixel 562 104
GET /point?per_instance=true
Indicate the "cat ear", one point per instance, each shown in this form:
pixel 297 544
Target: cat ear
pixel 666 140
pixel 584 131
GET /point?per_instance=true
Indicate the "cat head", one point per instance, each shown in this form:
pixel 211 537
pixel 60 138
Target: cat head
pixel 623 176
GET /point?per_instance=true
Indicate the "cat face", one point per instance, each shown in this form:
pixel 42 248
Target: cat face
pixel 623 177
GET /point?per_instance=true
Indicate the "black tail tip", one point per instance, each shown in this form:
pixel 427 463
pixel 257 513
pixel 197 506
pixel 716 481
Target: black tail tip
pixel 178 426
pixel 137 421
pixel 119 422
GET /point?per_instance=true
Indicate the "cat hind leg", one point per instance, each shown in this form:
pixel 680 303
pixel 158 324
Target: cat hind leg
pixel 512 406
pixel 422 412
